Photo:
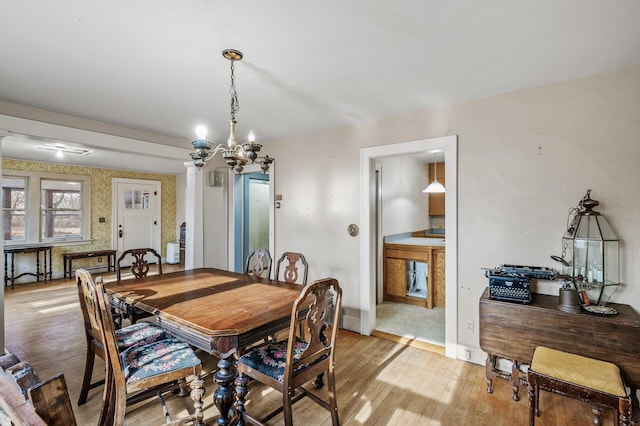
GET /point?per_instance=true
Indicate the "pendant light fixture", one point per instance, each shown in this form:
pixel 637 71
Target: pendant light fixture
pixel 435 186
pixel 236 155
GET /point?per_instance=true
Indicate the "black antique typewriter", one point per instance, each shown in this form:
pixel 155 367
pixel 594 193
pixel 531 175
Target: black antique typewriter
pixel 513 282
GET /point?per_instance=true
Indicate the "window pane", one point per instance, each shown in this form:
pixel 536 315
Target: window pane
pixel 61 223
pixel 14 196
pixel 58 194
pixel 13 225
pixel 135 199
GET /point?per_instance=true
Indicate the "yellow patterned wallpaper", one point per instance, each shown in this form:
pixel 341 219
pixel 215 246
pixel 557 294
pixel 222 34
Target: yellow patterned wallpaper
pixel 101 203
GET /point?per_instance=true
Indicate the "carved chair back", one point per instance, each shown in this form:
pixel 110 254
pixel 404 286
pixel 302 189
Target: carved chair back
pixel 291 271
pixel 139 264
pixel 258 261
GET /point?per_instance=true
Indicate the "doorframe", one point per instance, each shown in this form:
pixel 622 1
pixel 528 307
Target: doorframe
pixel 114 209
pixel 251 168
pixel 367 242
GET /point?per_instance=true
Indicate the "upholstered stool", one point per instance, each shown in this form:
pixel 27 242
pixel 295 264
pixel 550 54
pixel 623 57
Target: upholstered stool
pixel 596 382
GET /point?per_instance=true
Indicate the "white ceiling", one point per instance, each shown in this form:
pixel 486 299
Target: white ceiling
pixel 156 65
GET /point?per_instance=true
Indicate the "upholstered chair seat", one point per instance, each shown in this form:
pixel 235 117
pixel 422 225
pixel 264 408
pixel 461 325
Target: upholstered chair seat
pixel 140 333
pixel 153 359
pixel 271 360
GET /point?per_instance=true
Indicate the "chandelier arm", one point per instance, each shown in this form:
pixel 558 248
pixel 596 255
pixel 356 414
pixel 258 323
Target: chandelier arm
pixel 217 149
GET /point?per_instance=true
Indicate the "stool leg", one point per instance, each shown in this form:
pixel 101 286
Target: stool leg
pixel 532 404
pixel 625 411
pixel 597 411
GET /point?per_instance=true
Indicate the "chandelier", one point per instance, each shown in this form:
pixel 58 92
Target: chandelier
pixel 236 155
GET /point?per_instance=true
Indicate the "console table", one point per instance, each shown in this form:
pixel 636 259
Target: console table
pixel 34 249
pixel 68 258
pixel 512 331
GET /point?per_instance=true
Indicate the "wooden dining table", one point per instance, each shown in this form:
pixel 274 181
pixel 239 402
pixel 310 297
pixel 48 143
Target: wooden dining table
pixel 217 311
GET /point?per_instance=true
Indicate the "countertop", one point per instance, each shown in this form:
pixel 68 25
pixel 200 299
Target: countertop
pixel 417 241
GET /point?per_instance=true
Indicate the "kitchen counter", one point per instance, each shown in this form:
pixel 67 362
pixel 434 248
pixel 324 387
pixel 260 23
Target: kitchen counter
pixel 417 241
pixel 401 253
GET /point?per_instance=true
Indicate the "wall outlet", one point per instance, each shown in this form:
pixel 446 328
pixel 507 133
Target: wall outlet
pixel 99 259
pixel 470 326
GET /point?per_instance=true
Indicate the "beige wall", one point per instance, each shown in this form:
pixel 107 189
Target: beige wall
pixel 404 206
pixel 524 159
pixel 101 203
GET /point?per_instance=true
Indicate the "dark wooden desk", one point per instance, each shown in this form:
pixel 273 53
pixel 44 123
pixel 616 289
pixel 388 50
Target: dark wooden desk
pixel 217 311
pixel 512 331
pixel 34 249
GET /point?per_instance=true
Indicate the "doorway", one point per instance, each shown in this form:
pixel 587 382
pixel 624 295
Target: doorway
pixel 369 242
pixel 251 215
pixel 136 214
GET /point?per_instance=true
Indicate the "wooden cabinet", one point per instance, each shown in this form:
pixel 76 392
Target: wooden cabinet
pixel 436 201
pixel 396 257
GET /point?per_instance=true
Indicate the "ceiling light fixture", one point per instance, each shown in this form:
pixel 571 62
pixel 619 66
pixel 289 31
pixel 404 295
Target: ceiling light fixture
pixel 236 155
pixel 435 186
pixel 61 149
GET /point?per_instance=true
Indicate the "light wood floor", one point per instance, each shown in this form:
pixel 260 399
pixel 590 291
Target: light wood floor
pixel 379 382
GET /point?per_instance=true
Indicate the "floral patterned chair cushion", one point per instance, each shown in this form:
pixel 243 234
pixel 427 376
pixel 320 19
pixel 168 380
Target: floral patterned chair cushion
pixel 139 333
pixel 143 361
pixel 271 360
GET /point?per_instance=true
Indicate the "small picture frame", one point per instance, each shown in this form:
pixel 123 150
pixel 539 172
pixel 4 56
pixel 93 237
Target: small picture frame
pixel 216 178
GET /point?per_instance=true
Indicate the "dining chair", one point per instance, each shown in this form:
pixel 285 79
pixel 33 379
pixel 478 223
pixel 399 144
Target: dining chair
pixel 132 335
pixel 288 365
pixel 262 260
pixel 291 271
pixel 141 371
pixel 139 268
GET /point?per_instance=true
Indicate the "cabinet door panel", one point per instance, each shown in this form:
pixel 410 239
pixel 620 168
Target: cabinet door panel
pixel 395 277
pixel 439 278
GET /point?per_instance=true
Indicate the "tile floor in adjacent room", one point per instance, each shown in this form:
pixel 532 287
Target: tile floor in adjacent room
pixel 414 322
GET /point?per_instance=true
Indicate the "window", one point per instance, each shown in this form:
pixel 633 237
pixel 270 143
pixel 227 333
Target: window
pixel 61 208
pixel 46 207
pixel 14 206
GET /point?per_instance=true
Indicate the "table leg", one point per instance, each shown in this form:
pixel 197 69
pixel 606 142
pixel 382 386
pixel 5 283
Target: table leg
pixel 6 275
pixel 12 269
pixel 50 265
pixel 515 380
pixel 489 372
pixel 38 265
pixel 224 395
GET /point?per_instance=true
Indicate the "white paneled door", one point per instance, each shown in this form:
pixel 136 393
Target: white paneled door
pixel 136 211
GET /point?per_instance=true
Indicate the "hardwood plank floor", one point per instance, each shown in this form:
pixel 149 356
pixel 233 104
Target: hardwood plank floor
pixel 379 382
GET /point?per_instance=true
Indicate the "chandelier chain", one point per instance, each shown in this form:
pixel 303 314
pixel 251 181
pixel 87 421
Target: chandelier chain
pixel 235 106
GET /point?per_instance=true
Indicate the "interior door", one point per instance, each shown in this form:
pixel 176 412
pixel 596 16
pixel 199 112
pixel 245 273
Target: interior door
pixel 252 216
pixel 137 218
